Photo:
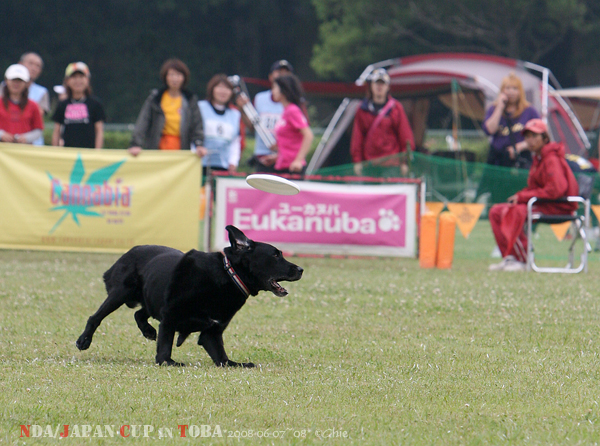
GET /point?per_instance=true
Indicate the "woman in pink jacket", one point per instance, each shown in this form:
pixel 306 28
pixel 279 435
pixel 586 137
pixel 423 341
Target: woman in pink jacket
pixel 549 177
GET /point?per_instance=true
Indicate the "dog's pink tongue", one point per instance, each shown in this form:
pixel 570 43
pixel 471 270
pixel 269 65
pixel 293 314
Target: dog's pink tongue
pixel 278 290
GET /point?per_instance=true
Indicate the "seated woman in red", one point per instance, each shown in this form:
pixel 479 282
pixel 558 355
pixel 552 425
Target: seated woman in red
pixel 550 177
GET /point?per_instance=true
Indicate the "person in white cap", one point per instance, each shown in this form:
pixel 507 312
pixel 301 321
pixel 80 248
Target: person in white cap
pixel 381 128
pixel 80 118
pixel 20 118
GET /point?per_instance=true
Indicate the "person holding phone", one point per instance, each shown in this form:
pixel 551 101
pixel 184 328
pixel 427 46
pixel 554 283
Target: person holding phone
pixel 505 120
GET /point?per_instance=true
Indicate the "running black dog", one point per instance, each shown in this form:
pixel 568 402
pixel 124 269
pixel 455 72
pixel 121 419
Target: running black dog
pixel 191 292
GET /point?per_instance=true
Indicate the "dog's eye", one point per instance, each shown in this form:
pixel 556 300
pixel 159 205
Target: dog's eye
pixel 277 254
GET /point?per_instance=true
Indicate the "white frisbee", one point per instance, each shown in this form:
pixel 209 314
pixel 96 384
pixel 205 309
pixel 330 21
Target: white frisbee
pixel 272 184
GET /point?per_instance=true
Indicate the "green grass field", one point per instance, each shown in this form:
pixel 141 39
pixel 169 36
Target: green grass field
pixel 362 351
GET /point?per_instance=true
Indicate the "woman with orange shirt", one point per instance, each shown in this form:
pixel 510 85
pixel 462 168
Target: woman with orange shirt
pixel 170 118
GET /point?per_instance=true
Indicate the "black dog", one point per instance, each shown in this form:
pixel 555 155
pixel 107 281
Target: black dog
pixel 192 292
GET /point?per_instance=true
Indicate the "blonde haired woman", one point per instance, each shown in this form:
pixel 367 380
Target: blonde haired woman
pixel 505 120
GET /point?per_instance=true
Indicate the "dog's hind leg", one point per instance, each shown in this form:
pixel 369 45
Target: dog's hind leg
pixel 212 341
pixel 112 303
pixel 141 317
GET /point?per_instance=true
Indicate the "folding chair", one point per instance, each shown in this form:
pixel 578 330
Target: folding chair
pixel 580 224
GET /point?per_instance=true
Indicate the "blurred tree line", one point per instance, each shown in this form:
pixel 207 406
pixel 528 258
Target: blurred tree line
pixel 125 41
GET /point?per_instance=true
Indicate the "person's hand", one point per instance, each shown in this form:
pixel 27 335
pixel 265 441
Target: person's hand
pixel 135 150
pixel 7 137
pixel 502 100
pixel 21 139
pixel 269 160
pixel 232 169
pixel 404 169
pixel 241 100
pixel 296 166
pixel 520 146
pixel 201 151
pixel 274 148
pixel 358 169
pixel 511 152
pixel 512 199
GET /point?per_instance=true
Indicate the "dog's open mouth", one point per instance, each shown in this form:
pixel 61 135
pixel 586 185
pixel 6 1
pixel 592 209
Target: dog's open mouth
pixel 277 289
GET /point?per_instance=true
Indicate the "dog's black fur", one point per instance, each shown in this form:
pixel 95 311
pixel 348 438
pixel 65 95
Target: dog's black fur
pixel 190 292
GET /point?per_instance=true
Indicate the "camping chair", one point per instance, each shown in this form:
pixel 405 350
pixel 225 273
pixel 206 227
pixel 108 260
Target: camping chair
pixel 580 223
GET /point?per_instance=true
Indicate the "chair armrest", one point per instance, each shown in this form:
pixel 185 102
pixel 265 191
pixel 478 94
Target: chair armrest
pixel 569 199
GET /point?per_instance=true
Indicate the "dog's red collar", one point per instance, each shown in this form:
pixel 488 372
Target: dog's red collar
pixel 236 279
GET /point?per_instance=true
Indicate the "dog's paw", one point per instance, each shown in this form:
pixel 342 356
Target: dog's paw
pixel 83 343
pixel 149 333
pixel 230 363
pixel 170 362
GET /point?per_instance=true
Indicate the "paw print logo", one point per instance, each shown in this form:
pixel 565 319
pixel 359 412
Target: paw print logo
pixel 388 221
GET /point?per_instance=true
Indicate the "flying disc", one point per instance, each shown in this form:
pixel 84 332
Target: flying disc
pixel 272 184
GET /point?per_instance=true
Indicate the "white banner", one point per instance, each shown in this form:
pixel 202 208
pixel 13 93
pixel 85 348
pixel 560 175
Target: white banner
pixel 324 218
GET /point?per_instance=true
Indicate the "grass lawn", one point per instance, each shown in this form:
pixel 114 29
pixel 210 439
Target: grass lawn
pixel 376 350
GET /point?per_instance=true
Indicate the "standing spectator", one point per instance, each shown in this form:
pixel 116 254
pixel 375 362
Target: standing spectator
pixel 550 177
pixel 79 118
pixel 270 112
pixel 170 118
pixel 37 93
pixel 381 127
pixel 20 118
pixel 221 125
pixel 292 133
pixel 504 121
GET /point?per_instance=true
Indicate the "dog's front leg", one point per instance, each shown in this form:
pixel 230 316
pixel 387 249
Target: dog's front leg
pixel 212 341
pixel 164 345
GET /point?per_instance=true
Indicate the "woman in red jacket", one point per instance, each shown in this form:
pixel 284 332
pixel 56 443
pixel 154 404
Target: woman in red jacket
pixel 381 127
pixel 549 177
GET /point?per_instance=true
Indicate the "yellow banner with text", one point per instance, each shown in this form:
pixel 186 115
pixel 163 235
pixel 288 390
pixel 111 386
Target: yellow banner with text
pixel 97 200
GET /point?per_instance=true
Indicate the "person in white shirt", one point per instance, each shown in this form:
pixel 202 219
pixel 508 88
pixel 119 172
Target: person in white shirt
pixel 221 123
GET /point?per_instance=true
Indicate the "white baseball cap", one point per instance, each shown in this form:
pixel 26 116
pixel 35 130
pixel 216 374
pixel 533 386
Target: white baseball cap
pixel 17 71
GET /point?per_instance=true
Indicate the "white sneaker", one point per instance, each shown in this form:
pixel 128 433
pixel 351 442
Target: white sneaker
pixel 496 254
pixel 500 266
pixel 514 265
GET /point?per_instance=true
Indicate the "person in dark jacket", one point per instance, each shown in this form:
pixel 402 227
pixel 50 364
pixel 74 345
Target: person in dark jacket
pixel 170 118
pixel 381 127
pixel 549 177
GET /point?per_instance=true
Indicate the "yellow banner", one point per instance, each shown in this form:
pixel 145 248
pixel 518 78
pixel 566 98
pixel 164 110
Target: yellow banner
pixel 467 215
pixel 560 230
pixel 97 200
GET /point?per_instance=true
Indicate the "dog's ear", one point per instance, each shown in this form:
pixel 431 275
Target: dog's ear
pixel 238 240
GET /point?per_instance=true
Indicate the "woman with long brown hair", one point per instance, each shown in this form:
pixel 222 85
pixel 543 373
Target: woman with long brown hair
pixel 20 118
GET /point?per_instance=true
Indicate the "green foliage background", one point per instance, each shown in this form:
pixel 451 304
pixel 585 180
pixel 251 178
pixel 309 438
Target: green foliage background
pixel 125 42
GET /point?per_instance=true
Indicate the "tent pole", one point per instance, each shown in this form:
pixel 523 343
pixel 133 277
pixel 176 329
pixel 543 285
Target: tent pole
pixel 545 95
pixel 327 134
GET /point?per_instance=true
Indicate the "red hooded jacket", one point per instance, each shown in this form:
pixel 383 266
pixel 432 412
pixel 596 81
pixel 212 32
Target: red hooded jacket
pixel 550 177
pixel 390 137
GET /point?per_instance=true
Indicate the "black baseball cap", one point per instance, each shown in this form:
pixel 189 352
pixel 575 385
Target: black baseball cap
pixel 282 64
